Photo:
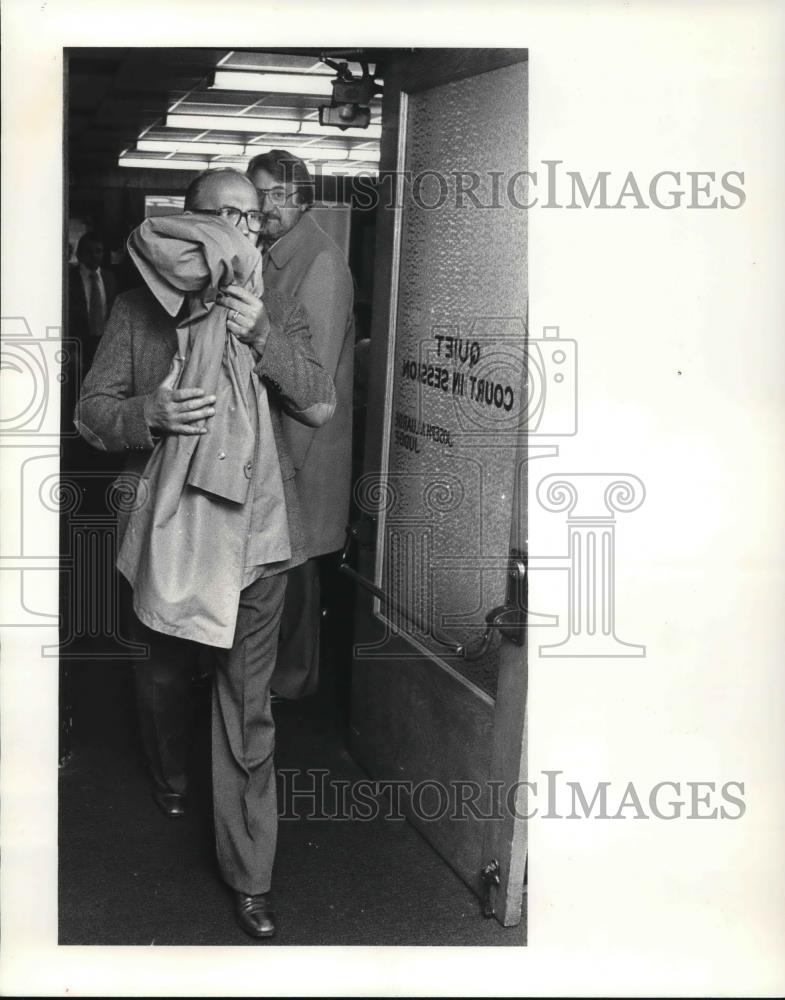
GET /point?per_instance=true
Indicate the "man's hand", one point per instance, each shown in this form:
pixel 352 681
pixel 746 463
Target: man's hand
pixel 177 411
pixel 247 319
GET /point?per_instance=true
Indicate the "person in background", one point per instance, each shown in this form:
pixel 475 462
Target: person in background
pixel 300 259
pixel 91 293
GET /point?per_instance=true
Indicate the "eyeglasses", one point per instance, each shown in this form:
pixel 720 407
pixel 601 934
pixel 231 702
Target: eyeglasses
pixel 277 196
pixel 252 218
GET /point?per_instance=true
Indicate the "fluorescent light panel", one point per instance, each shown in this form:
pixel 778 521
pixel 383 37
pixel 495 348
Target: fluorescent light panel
pixel 174 146
pixel 273 83
pixel 235 149
pixel 258 126
pixel 269 62
pixel 161 164
pixel 344 168
pixel 232 123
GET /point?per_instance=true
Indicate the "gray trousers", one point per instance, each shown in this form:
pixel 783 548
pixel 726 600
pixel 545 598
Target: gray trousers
pixel 243 732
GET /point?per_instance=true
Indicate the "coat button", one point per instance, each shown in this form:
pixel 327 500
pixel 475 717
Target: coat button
pixel 248 468
pixel 221 456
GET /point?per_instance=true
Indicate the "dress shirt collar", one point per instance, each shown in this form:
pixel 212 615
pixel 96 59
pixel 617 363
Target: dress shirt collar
pixel 86 272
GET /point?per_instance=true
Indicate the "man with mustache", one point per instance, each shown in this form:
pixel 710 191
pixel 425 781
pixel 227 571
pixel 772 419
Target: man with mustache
pixel 300 259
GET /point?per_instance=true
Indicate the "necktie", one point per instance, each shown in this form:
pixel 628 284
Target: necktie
pixel 95 306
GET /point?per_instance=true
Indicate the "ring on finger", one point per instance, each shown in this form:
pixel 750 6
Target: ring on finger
pixel 235 315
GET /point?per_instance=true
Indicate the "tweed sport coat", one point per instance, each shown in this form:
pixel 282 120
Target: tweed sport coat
pixel 309 265
pixel 135 355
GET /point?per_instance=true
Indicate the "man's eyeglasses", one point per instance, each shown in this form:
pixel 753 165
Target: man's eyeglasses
pixel 276 196
pixel 252 218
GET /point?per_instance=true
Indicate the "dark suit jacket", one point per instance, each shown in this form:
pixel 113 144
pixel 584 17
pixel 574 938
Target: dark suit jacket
pixel 135 354
pixel 77 303
pixel 76 311
pixel 307 264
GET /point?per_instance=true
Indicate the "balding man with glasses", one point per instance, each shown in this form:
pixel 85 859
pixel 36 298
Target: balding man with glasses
pixel 206 553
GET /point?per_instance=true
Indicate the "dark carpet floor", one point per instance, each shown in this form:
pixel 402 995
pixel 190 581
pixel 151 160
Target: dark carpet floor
pixel 129 876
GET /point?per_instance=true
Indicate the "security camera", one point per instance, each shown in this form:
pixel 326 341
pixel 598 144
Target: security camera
pixel 351 97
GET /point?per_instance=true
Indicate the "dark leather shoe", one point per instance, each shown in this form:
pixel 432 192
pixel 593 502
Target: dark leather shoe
pixel 171 804
pixel 254 915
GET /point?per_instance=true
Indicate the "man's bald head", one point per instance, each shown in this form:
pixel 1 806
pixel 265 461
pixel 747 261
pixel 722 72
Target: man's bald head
pixel 216 191
pixel 223 186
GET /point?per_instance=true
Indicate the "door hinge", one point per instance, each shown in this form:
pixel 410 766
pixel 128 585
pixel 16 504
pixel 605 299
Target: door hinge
pixel 489 877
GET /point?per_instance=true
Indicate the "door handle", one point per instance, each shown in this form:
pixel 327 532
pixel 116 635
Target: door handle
pixel 508 620
pixel 355 532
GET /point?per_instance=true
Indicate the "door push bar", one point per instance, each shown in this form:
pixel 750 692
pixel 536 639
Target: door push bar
pixel 508 619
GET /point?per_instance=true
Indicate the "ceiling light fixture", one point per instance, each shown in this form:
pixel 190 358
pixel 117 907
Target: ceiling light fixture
pixel 333 168
pixel 272 83
pixel 173 146
pixel 184 146
pixel 231 123
pixel 156 163
pixel 260 126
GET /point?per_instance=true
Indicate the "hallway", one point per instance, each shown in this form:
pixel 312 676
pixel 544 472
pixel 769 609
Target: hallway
pixel 129 876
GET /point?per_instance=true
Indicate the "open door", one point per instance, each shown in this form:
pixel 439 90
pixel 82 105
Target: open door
pixel 439 672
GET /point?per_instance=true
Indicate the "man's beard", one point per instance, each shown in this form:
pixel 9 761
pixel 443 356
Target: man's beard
pixel 271 225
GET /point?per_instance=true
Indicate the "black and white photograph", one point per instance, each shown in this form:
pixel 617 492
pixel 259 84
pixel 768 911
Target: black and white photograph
pixel 391 567
pixel 292 485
